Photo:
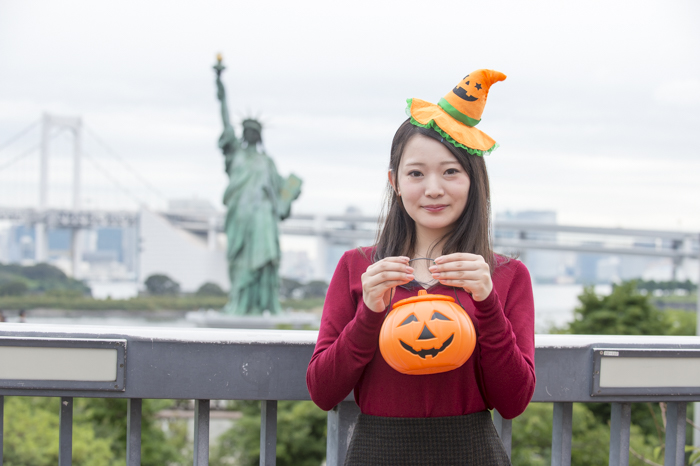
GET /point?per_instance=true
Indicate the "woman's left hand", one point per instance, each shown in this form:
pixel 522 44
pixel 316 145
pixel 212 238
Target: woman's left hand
pixel 468 271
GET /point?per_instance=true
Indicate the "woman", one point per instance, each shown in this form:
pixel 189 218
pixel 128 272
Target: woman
pixel 438 208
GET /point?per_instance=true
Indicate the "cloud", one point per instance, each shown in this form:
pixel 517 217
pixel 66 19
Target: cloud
pixel 679 92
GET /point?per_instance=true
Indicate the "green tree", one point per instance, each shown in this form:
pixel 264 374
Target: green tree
pixel 624 312
pixel 301 436
pixel 210 289
pixel 13 288
pixel 315 289
pixel 287 287
pixel 40 278
pixel 31 435
pixel 43 271
pixel 160 285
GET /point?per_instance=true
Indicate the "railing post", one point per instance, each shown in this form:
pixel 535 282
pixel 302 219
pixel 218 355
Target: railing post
pixel 341 423
pixel 201 432
pixel 504 427
pixel 65 433
pixel 268 432
pixel 675 434
pixel 561 434
pixel 620 419
pixel 133 432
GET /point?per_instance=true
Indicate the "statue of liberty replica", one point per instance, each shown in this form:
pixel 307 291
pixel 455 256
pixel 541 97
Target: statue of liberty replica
pixel 256 199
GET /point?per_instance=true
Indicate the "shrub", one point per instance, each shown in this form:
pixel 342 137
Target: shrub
pixel 13 288
pixel 161 285
pixel 210 289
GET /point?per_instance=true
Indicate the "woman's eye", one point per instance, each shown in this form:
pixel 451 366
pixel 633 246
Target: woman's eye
pixel 414 173
pixel 451 171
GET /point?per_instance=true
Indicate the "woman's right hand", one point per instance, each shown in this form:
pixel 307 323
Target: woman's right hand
pixel 381 277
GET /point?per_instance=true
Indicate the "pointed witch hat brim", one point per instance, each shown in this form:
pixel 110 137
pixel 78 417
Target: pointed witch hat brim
pixel 432 116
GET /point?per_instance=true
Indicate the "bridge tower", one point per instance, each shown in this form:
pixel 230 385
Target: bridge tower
pixel 75 125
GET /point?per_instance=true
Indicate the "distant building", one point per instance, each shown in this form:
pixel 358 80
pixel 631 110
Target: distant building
pixel 544 266
pixel 183 256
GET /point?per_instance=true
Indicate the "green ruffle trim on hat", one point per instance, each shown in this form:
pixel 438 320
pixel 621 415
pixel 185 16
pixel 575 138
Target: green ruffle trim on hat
pixel 432 125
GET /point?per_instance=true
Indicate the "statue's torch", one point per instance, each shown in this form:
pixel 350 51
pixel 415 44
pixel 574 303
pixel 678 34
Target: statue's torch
pixel 219 67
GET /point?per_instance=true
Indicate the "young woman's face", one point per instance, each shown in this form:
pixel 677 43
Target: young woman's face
pixel 433 185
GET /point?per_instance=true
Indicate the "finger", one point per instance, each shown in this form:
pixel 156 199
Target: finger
pixel 403 259
pixel 458 266
pixel 381 278
pixel 389 262
pixel 461 274
pixel 458 256
pixel 466 284
pixel 379 292
pixel 389 266
pixel 394 284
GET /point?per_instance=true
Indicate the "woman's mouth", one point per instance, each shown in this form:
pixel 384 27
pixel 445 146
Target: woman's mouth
pixel 434 208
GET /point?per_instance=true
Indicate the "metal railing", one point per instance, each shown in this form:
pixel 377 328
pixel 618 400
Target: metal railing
pixel 270 365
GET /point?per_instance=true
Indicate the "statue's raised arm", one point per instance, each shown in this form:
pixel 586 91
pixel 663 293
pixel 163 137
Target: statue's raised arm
pixel 221 92
pixel 228 142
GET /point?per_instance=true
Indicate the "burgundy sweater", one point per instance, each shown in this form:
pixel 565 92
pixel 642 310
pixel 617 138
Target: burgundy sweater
pixel 502 367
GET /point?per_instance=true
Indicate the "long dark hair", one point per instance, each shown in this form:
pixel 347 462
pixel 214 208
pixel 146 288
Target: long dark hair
pixel 397 235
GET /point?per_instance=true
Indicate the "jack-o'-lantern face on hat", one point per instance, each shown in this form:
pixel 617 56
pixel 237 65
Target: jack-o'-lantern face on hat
pixel 469 96
pixel 462 89
pixel 427 334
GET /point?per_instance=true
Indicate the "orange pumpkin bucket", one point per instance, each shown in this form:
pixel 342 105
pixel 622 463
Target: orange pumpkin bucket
pixel 427 334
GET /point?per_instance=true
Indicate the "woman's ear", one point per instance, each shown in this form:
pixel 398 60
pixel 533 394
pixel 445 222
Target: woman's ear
pixel 392 182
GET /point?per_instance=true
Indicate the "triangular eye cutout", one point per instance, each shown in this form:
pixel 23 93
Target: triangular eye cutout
pixel 408 320
pixel 438 316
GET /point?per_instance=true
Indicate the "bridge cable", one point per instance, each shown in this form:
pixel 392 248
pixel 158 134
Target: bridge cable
pixel 123 162
pixel 19 135
pixel 24 154
pixel 118 185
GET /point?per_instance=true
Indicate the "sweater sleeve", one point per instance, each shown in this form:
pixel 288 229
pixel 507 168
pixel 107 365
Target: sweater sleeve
pixel 347 341
pixel 507 345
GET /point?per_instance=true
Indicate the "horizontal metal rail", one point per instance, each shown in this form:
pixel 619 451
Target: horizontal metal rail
pixel 270 365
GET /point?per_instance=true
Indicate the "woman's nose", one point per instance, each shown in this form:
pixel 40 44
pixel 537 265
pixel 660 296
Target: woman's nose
pixel 433 188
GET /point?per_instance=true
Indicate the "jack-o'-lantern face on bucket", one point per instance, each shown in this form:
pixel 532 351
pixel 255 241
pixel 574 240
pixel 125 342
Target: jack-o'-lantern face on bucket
pixel 427 334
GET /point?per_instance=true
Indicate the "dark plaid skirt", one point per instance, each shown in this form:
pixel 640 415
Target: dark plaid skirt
pixel 445 441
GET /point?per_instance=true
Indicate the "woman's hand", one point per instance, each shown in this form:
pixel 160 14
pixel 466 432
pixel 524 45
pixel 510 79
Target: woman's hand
pixel 381 277
pixel 468 271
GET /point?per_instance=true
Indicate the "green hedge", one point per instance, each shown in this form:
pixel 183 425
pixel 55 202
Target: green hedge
pixel 140 303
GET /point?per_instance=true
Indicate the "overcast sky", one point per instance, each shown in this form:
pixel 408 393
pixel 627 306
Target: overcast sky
pixel 599 118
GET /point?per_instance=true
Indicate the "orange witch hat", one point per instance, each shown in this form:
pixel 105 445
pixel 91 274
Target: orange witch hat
pixel 456 115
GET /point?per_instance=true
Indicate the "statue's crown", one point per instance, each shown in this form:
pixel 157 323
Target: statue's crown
pixel 251 123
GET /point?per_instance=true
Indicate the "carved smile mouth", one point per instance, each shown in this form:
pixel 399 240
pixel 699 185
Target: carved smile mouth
pixel 462 94
pixel 428 352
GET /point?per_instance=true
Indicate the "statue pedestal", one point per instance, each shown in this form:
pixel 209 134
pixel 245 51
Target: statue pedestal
pixel 287 320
